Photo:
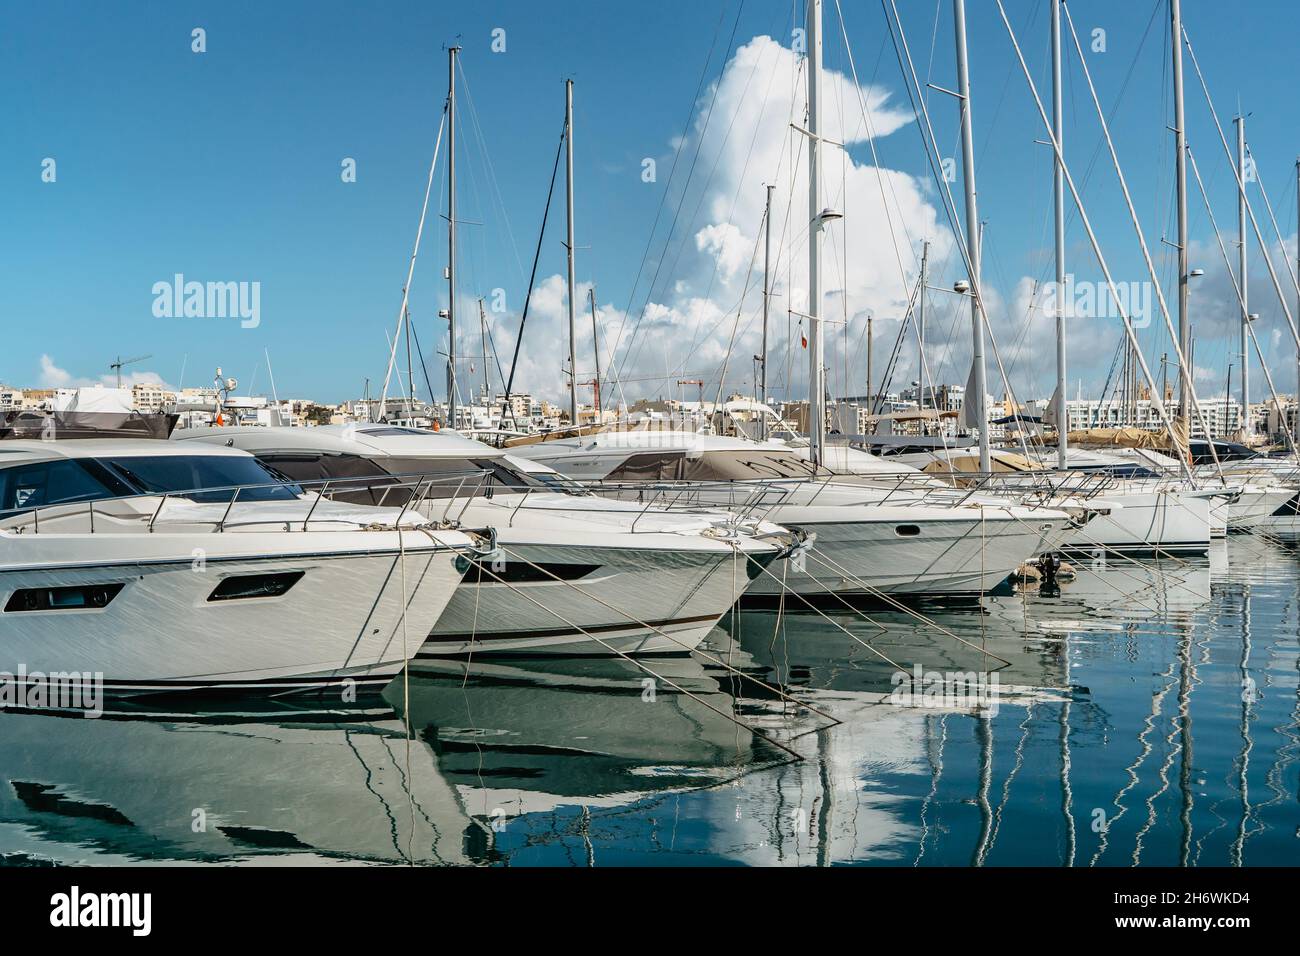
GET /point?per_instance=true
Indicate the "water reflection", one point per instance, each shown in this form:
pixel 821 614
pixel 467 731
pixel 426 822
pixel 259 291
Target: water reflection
pixel 1146 713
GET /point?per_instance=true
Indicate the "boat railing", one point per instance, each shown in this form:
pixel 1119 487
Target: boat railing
pixel 746 501
pixel 457 490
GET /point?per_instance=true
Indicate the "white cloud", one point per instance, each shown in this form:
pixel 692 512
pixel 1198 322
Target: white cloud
pixel 52 376
pixel 706 292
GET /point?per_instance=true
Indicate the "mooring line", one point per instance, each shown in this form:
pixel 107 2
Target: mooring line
pixel 837 624
pixel 707 656
pixel 657 676
pixel 899 605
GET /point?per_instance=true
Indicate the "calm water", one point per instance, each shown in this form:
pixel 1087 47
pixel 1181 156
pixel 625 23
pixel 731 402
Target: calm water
pixel 1149 714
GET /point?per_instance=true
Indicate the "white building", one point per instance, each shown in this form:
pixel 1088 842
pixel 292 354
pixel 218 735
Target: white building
pixel 151 396
pixel 1223 416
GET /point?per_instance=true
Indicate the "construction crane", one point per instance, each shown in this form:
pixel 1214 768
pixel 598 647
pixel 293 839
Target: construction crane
pixel 117 366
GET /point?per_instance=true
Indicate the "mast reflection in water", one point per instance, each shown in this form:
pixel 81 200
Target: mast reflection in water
pixel 1148 714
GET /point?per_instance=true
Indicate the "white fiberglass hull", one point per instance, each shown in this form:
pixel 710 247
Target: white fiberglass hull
pixel 1283 524
pixel 908 550
pixel 610 601
pixel 587 576
pixel 161 625
pixel 1167 522
pixel 1255 505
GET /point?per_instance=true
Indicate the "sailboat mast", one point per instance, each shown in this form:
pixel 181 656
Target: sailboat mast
pixel 1180 185
pixel 920 320
pixel 483 341
pixel 595 349
pixel 972 237
pixel 568 195
pixel 767 295
pixel 452 54
pixel 1241 277
pixel 816 386
pixel 1058 204
pixel 1297 262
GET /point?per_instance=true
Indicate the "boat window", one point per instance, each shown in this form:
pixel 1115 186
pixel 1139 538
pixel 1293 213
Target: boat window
pixel 352 478
pixel 193 475
pixel 448 472
pixel 741 465
pixel 55 482
pixel 73 598
pixel 650 466
pixel 244 586
pixel 393 431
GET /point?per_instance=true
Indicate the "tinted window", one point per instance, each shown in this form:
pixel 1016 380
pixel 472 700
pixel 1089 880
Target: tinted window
pixel 53 482
pixel 189 473
pixel 448 473
pixel 351 478
pixel 370 480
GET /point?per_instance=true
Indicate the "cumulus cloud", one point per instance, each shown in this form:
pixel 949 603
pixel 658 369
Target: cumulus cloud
pixel 52 376
pixel 699 298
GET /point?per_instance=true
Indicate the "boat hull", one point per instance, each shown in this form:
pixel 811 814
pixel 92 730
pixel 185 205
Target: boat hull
pixel 601 606
pixel 1156 522
pixel 168 627
pixel 947 555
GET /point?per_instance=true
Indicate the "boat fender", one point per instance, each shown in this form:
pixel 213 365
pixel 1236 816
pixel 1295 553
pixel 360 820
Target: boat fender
pixel 1026 574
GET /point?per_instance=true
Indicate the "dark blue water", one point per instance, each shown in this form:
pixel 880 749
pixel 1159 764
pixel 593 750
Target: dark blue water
pixel 1146 714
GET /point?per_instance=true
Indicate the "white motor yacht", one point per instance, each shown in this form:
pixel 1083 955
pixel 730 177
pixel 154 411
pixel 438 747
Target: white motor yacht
pixel 162 567
pixel 865 544
pixel 574 574
pixel 1143 513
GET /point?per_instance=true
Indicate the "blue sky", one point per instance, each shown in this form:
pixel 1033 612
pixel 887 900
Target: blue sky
pixel 225 166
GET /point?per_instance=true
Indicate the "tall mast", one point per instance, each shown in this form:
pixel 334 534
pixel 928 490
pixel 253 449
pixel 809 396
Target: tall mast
pixel 972 236
pixel 816 222
pixel 767 295
pixel 452 54
pixel 871 401
pixel 595 348
pixel 1058 198
pixel 1297 262
pixel 1180 184
pixel 483 341
pixel 1241 277
pixel 920 319
pixel 573 306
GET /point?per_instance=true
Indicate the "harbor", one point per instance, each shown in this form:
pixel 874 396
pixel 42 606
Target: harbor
pixel 890 461
pixel 1161 702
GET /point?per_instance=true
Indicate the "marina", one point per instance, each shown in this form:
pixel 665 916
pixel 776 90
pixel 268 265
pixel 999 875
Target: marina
pixel 1163 700
pixel 936 504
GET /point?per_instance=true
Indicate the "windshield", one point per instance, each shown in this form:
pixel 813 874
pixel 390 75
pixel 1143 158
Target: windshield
pixel 736 465
pixel 391 481
pixel 192 474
